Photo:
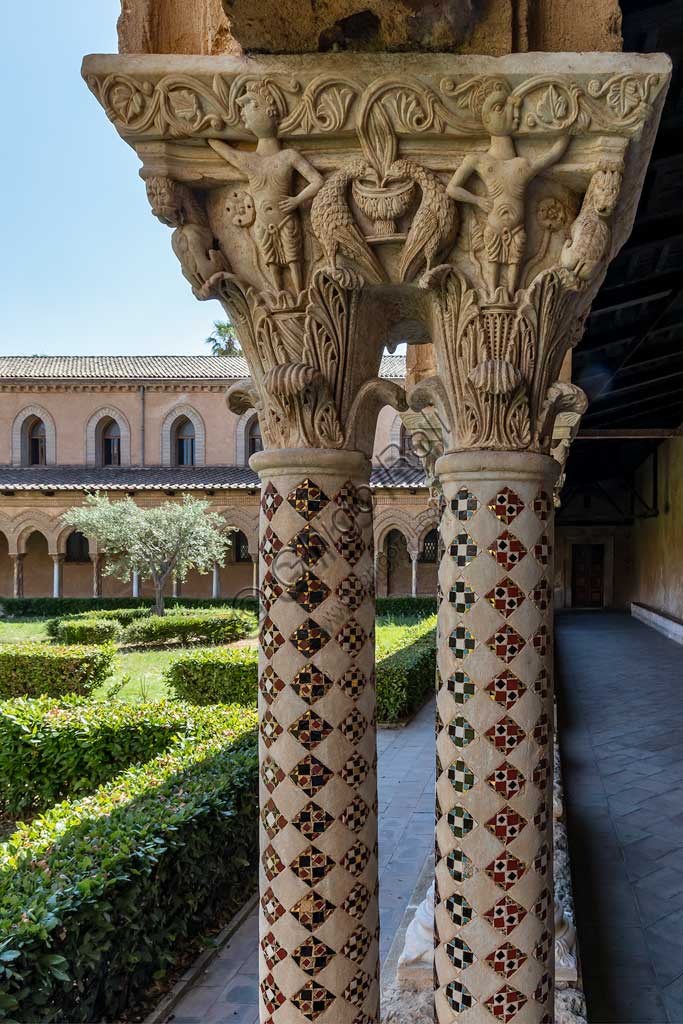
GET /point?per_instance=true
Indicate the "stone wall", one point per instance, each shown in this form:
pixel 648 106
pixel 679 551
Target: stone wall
pixel 658 542
pixel 494 27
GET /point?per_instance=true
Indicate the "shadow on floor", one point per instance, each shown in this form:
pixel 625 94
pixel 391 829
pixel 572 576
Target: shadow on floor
pixel 621 737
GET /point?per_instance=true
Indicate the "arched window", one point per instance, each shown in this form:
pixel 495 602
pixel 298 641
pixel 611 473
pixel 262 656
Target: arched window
pixel 36 443
pixel 111 443
pixel 430 547
pixel 184 442
pixel 254 439
pixel 241 547
pixel 77 548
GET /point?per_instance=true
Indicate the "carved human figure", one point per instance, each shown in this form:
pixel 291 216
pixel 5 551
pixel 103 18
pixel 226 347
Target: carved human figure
pixel 270 172
pixel 590 234
pixel 505 176
pixel 193 241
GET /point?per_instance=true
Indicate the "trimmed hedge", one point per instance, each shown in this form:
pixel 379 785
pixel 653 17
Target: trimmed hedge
pixel 213 677
pixel 33 669
pixel 122 616
pixel 52 749
pixel 216 627
pixel 38 607
pixel 98 895
pixel 405 671
pixel 86 631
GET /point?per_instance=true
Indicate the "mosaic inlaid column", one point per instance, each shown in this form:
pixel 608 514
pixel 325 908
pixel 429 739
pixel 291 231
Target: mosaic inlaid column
pixel 335 204
pixel 494 886
pixel 319 921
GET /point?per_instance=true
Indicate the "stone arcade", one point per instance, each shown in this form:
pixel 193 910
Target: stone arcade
pixel 336 205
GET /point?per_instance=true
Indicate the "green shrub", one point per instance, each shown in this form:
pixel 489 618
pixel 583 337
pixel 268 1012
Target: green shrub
pixel 406 606
pixel 405 669
pixel 87 631
pixel 38 607
pixel 51 749
pixel 120 616
pixel 98 896
pixel 216 627
pixel 32 669
pixel 215 677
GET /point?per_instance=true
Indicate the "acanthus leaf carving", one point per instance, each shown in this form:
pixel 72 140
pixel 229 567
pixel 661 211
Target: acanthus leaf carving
pixel 478 246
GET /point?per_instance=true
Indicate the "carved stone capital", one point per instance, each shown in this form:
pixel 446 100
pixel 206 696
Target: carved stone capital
pixel 335 204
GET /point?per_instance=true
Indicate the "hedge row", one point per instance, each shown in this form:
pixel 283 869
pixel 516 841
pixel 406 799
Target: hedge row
pixel 405 672
pixel 214 627
pixel 405 669
pixel 37 607
pixel 138 626
pixel 98 895
pixel 52 749
pixel 120 616
pixel 32 669
pixel 215 677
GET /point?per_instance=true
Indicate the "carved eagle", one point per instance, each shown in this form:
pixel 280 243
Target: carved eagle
pixel 335 228
pixel 435 224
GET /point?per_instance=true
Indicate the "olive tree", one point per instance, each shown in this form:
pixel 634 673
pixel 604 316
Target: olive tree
pixel 159 542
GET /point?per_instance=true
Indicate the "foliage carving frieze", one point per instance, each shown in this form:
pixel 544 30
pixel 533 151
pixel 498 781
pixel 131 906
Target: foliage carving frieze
pixel 337 205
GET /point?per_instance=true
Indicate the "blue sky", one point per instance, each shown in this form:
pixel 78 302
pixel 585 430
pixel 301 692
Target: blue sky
pixel 86 267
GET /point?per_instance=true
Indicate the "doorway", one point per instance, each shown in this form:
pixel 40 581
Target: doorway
pixel 588 575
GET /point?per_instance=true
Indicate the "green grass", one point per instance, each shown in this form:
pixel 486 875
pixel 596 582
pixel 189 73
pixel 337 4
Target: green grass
pixel 141 672
pixel 23 629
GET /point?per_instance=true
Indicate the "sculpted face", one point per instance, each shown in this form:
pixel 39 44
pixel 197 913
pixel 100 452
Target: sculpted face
pixel 257 115
pixel 164 200
pixel 500 113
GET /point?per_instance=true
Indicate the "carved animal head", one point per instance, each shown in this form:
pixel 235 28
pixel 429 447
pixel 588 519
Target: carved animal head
pixel 603 191
pixel 165 198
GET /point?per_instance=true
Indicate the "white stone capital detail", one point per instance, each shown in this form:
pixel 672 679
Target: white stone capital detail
pixel 337 203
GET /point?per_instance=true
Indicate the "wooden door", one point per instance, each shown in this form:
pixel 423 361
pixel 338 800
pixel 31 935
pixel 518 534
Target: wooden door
pixel 588 575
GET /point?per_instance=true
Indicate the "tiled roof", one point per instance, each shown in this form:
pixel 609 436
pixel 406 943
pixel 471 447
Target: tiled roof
pixel 145 367
pixel 165 478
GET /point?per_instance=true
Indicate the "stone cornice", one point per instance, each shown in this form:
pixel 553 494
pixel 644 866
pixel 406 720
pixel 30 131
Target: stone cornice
pixel 173 387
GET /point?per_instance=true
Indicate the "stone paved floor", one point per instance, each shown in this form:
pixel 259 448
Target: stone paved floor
pixel 621 728
pixel 227 993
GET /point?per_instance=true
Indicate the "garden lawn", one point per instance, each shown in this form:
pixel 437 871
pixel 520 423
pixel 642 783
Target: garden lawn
pixel 141 672
pixel 22 630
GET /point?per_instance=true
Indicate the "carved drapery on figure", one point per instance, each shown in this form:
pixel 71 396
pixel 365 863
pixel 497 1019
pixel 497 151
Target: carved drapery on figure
pixel 334 205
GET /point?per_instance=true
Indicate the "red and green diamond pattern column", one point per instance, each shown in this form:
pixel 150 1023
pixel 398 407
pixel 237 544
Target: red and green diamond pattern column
pixel 319 920
pixel 494 883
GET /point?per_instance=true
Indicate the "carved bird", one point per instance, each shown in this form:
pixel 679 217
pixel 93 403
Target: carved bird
pixel 435 224
pixel 334 226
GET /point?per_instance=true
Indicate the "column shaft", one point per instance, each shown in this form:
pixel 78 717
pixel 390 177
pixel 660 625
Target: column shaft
pixel 494 878
pixel 18 575
pixel 97 576
pixel 216 581
pixel 413 575
pixel 319 920
pixel 136 584
pixel 57 575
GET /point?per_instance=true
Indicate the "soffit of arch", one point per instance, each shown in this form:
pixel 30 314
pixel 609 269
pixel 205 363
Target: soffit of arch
pixel 473 200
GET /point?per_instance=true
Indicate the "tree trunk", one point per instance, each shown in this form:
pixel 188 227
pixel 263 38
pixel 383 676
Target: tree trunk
pixel 159 599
